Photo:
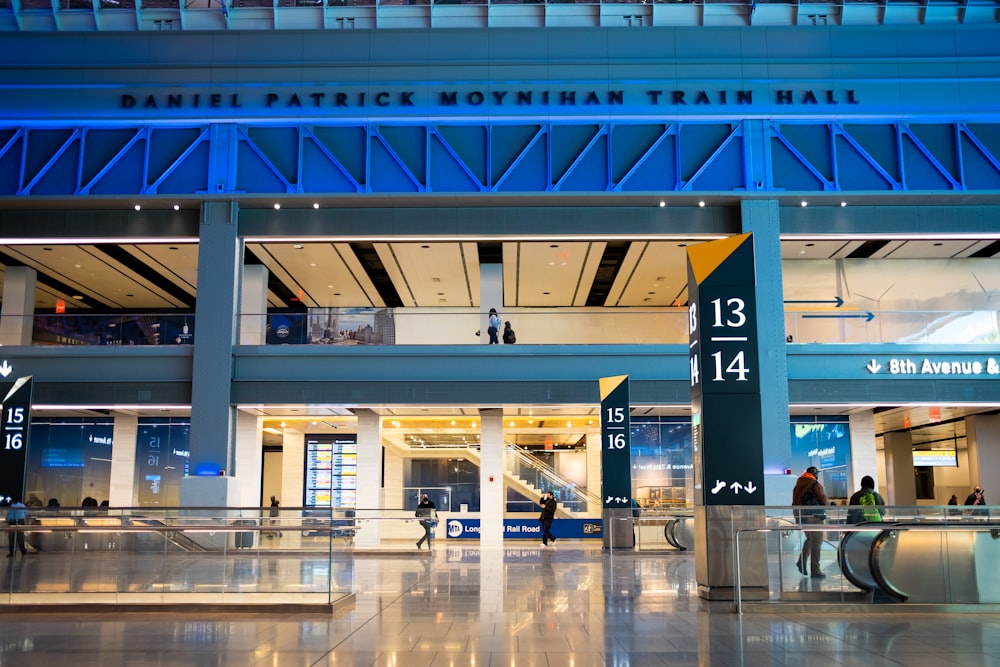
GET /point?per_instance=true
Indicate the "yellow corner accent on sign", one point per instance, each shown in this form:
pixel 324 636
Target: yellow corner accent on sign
pixel 608 385
pixel 706 257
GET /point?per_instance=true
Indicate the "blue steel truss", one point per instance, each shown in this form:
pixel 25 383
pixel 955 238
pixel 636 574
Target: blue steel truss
pixel 552 157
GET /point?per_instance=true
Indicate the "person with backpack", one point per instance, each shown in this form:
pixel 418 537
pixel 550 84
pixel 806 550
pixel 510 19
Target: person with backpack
pixel 809 492
pixel 869 500
pixel 508 334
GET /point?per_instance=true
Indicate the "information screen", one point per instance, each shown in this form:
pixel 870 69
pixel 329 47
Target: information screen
pixel 331 471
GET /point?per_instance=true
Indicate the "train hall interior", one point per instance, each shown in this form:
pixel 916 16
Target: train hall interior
pixel 249 256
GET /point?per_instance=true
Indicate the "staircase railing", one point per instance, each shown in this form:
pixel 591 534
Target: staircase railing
pixel 544 478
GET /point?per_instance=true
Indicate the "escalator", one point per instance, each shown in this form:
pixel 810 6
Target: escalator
pixel 924 562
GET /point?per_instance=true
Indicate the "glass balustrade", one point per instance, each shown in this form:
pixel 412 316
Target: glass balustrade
pixel 365 327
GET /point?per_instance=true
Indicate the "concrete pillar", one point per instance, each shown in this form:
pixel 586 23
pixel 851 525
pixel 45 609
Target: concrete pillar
pixel 249 459
pixel 293 467
pixel 253 305
pixel 123 448
pixel 17 319
pixel 864 456
pixel 594 506
pixel 761 218
pixel 369 497
pixel 901 486
pixel 213 418
pixel 491 485
pixel 490 296
pixel 982 436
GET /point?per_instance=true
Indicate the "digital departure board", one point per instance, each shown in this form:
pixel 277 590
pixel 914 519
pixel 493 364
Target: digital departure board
pixel 331 471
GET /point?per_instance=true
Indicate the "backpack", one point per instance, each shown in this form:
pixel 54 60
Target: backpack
pixel 809 497
pixel 869 509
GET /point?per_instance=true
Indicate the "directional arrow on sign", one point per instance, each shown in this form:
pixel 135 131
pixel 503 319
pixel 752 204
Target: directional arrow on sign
pixel 867 317
pixel 836 301
pixel 873 367
pixel 6 369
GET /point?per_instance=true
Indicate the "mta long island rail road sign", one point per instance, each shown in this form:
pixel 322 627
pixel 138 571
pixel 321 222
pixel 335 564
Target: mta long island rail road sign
pixel 15 421
pixel 616 443
pixel 726 425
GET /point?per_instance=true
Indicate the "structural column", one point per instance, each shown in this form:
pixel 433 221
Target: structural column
pixel 761 218
pixel 864 456
pixel 249 459
pixel 490 296
pixel 220 252
pixel 369 481
pixel 491 483
pixel 982 435
pixel 18 305
pixel 901 487
pixel 123 447
pixel 253 305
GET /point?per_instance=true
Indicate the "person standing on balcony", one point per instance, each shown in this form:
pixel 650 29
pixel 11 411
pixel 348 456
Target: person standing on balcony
pixel 427 512
pixel 548 515
pixel 494 327
pixel 508 334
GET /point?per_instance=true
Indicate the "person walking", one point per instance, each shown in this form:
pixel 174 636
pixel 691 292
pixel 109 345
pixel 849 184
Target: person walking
pixel 548 515
pixel 869 500
pixel 808 491
pixel 494 327
pixel 17 515
pixel 427 512
pixel 273 512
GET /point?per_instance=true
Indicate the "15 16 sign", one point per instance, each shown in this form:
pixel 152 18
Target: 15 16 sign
pixel 15 422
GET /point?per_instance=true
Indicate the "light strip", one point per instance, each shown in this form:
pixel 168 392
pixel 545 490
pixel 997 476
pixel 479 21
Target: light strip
pixel 110 407
pixel 94 241
pixel 977 236
pixel 444 239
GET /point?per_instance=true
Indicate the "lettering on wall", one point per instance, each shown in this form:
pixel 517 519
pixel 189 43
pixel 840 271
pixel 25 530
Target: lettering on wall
pixel 934 367
pixel 320 99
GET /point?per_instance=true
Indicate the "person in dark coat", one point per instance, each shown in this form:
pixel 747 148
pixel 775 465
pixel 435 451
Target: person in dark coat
pixel 548 515
pixel 857 515
pixel 808 491
pixel 427 511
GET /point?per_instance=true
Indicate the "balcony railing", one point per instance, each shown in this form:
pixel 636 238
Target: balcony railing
pixel 532 326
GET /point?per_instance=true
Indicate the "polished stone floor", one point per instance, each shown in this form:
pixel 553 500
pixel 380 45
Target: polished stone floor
pixel 574 606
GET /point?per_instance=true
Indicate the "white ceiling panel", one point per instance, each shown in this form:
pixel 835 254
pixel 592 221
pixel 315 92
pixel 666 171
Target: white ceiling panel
pixel 656 277
pixel 179 262
pixel 548 273
pixel 942 249
pixel 429 274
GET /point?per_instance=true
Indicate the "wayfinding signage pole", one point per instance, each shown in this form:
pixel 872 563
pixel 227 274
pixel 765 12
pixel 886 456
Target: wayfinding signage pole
pixel 726 424
pixel 15 421
pixel 616 462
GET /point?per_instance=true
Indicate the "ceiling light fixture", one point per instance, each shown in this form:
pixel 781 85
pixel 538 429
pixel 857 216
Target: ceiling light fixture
pixel 277 206
pixel 137 207
pixel 316 204
pixel 662 203
pixel 701 204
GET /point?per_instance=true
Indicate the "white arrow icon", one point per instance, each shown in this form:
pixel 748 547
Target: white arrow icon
pixel 736 486
pixel 750 488
pixel 719 486
pixel 873 367
pixel 6 369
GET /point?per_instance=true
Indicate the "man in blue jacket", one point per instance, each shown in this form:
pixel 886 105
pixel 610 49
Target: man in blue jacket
pixel 17 515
